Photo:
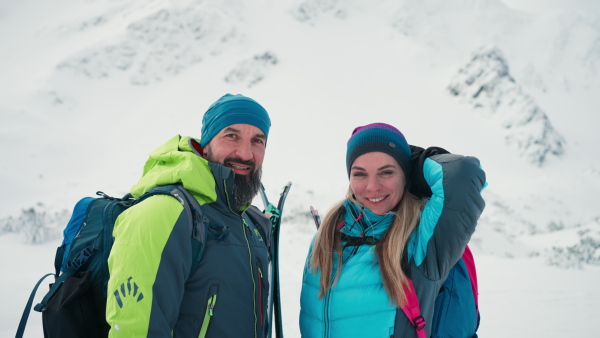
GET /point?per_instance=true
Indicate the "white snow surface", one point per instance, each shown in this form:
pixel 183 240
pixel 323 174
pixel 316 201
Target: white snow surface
pixel 90 87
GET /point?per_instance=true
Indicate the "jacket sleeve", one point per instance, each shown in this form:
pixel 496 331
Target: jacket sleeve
pixel 450 216
pixel 148 265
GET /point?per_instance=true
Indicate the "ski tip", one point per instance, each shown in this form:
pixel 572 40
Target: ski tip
pixel 287 186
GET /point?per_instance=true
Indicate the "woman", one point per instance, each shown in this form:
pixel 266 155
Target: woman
pixel 373 243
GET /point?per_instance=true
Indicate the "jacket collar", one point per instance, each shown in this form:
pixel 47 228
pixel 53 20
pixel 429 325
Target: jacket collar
pixel 224 182
pixel 360 221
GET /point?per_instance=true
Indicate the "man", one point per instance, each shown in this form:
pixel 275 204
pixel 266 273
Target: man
pixel 153 289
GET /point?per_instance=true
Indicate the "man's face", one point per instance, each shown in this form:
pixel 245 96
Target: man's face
pixel 240 147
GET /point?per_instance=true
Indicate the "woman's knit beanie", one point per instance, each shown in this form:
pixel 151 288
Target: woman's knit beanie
pixel 379 137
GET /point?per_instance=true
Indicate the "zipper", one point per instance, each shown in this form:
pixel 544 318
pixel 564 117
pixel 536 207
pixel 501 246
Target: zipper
pixel 245 230
pixel 352 252
pixel 208 314
pixel 260 294
pixel 326 304
pixel 326 313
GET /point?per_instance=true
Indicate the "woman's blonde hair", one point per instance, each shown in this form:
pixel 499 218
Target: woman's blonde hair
pixel 389 249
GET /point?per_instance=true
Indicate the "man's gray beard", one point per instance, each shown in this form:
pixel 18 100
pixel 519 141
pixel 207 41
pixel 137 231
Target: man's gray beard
pixel 246 187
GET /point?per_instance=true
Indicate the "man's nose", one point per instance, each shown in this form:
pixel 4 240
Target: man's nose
pixel 244 151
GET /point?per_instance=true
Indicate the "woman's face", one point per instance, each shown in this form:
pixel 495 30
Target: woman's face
pixel 377 181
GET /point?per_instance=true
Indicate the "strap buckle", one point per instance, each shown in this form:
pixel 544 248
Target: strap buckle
pixel 419 323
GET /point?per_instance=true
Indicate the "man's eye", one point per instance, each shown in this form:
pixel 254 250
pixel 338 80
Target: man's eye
pixel 230 135
pixel 358 174
pixel 259 141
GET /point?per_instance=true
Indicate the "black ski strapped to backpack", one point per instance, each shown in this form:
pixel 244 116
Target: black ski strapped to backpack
pixel 75 306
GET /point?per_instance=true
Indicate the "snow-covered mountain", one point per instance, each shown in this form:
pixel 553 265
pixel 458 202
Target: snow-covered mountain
pixel 485 82
pixel 90 87
pixel 163 43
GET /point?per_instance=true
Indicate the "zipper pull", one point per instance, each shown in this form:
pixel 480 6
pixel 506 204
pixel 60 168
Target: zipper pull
pixel 211 305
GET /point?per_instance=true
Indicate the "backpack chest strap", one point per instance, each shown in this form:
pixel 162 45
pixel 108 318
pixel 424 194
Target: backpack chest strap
pixel 358 241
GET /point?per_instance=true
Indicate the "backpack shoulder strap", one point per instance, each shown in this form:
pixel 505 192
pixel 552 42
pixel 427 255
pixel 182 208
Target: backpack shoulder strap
pixel 198 220
pixel 27 311
pixel 412 310
pixel 470 263
pixel 262 223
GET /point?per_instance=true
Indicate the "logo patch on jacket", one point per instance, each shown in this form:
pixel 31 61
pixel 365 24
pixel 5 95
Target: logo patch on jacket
pixel 258 235
pixel 128 292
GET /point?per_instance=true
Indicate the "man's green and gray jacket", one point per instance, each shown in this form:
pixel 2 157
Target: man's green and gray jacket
pixel 152 291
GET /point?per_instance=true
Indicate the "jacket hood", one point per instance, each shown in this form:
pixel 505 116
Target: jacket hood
pixel 176 161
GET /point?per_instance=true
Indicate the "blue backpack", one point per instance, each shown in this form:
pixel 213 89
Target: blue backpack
pixel 456 306
pixel 75 306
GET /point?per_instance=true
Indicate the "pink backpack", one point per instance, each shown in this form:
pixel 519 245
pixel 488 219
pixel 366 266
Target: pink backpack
pixel 450 316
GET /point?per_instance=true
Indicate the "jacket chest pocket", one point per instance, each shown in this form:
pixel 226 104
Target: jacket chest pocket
pixel 262 291
pixel 210 311
pixel 216 232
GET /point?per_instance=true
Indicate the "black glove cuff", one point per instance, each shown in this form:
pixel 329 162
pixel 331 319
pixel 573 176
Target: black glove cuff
pixel 417 184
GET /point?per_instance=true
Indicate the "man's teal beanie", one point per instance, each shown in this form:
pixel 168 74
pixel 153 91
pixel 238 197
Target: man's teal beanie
pixel 232 109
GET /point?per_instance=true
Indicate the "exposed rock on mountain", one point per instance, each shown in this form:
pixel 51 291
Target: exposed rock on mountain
pixel 309 10
pixel 485 82
pixel 160 45
pixel 253 70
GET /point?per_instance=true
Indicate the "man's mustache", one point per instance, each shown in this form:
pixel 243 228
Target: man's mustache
pixel 250 163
